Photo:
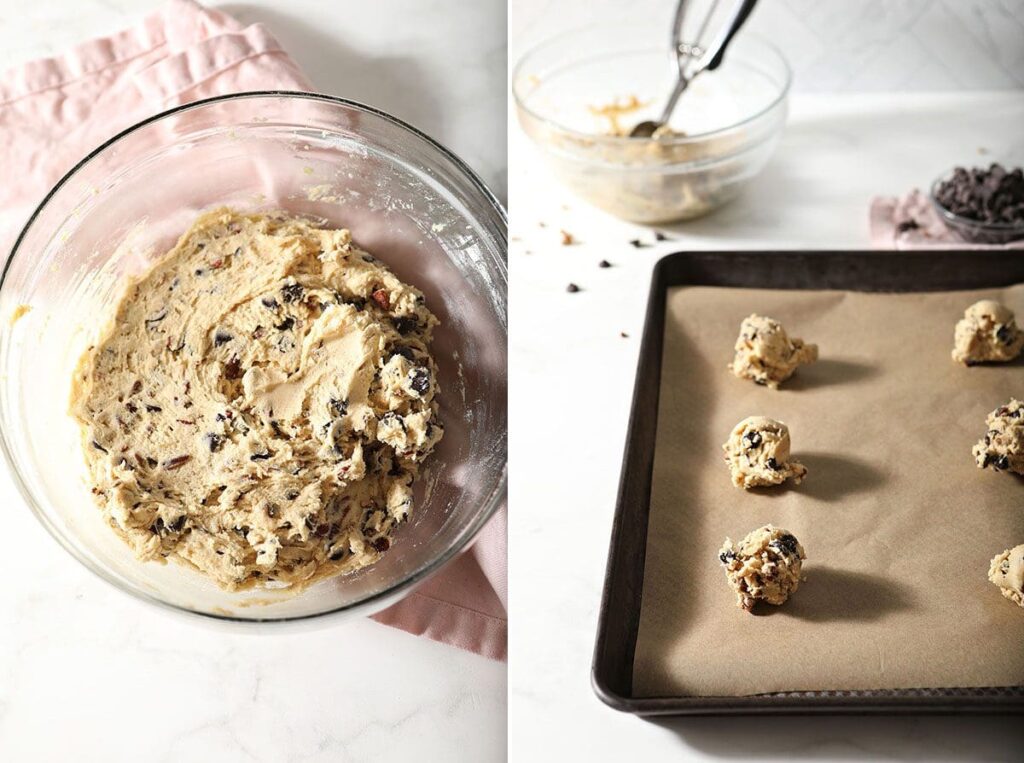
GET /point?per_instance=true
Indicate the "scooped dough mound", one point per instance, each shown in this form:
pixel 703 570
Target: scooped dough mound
pixel 987 333
pixel 757 454
pixel 1002 447
pixel 766 354
pixel 764 566
pixel 260 403
pixel 1007 572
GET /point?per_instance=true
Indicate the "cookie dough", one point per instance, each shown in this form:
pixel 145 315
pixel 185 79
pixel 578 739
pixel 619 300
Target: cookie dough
pixel 1007 572
pixel 1002 447
pixel 987 333
pixel 260 403
pixel 764 566
pixel 766 354
pixel 757 454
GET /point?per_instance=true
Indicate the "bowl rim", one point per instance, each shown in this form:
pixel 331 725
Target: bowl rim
pixel 671 140
pixel 966 222
pixel 368 604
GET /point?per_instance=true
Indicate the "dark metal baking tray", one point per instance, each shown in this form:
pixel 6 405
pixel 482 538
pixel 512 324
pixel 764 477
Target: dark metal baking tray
pixel 619 619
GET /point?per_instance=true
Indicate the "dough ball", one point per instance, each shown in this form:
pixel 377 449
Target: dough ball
pixel 987 333
pixel 1007 572
pixel 1002 447
pixel 758 454
pixel 767 355
pixel 764 566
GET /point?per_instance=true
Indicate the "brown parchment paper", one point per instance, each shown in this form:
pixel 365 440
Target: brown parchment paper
pixel 898 522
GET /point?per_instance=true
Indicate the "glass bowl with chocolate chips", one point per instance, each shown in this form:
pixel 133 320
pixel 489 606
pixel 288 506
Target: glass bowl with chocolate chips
pixel 145 445
pixel 982 205
pixel 578 96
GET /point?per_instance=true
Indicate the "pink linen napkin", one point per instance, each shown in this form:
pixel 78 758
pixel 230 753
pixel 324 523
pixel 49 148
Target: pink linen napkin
pixel 54 111
pixel 911 222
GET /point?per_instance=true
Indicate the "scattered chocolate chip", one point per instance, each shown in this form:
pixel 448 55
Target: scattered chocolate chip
pixel 270 302
pixel 773 464
pixel 291 292
pixel 213 441
pixel 726 556
pixel 637 243
pixel 340 407
pixel 753 439
pixel 624 335
pixel 572 288
pixel 604 264
pixel 221 337
pixel 381 544
pixel 136 387
pixel 238 252
pixel 1005 335
pixel 1003 462
pixel 337 554
pixel 286 324
pixel 905 225
pixel 405 352
pixel 291 495
pixel 152 408
pixel 132 407
pixel 99 447
pixel 260 456
pixel 659 236
pixel 176 463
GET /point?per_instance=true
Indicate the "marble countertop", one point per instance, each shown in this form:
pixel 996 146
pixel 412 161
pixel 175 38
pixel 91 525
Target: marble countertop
pixel 87 673
pixel 836 153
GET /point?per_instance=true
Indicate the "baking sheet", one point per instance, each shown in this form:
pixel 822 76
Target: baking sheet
pixel 898 523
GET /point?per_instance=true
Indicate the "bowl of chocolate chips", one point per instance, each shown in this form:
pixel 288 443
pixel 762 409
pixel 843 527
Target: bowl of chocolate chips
pixel 982 206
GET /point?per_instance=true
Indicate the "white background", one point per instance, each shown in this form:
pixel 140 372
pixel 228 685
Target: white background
pixel 840 45
pixel 88 674
pixel 572 373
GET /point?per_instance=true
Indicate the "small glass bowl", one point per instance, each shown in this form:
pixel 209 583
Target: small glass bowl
pixel 404 197
pixel 973 231
pixel 731 120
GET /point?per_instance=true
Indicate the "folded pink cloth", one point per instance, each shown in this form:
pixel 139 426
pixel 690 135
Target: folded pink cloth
pixel 56 110
pixel 911 222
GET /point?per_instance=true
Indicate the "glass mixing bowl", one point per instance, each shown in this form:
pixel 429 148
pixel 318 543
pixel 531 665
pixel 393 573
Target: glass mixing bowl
pixel 730 119
pixel 406 198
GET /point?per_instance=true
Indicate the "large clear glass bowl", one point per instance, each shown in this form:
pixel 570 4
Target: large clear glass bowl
pixel 405 198
pixel 726 126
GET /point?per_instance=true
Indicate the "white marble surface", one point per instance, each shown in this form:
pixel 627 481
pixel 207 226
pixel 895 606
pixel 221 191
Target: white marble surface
pixel 837 152
pixel 88 674
pixel 839 45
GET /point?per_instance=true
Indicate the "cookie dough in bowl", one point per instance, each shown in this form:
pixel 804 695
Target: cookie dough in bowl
pixel 260 403
pixel 420 222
